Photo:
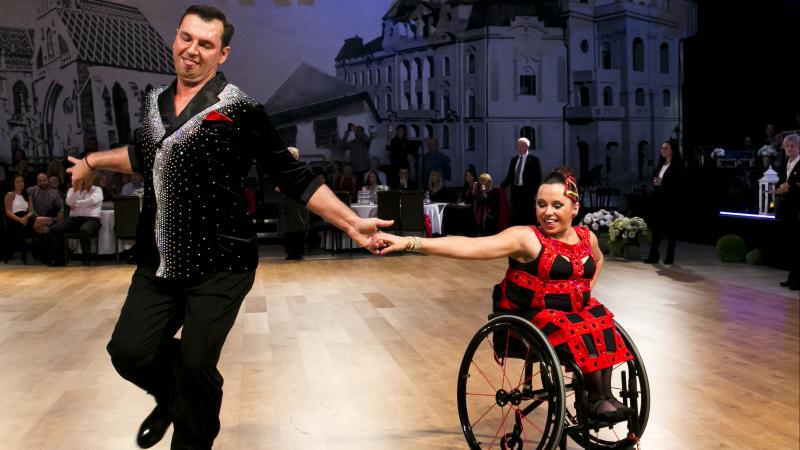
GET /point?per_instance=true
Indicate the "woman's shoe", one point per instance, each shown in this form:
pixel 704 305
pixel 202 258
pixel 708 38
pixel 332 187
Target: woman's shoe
pixel 605 416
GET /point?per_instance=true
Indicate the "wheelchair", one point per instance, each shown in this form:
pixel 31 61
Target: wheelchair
pixel 516 392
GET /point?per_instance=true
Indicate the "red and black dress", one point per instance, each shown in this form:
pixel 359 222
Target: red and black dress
pixel 554 289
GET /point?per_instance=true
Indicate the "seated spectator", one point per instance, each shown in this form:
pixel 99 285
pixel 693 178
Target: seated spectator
pixel 333 172
pixel 404 182
pixel 436 191
pixel 371 186
pixel 55 183
pixel 470 188
pixel 133 185
pixel 375 166
pixel 47 204
pixel 347 182
pixel 491 206
pixel 18 210
pixel 84 217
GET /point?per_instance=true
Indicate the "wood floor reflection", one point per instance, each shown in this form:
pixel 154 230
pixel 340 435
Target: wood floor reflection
pixel 362 353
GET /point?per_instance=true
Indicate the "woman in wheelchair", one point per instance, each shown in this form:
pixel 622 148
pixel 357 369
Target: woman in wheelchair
pixel 552 269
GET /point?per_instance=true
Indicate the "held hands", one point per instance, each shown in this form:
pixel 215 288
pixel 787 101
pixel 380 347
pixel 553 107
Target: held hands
pixel 364 232
pixel 389 243
pixel 82 175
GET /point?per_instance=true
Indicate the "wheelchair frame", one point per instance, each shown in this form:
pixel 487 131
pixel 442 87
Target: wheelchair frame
pixel 561 421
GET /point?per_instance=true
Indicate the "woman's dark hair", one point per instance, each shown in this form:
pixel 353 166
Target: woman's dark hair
pixel 559 175
pixel 24 192
pixel 471 170
pixel 677 160
pixel 209 13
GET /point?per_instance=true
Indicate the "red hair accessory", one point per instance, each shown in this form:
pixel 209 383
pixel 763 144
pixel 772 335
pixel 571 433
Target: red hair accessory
pixel 571 188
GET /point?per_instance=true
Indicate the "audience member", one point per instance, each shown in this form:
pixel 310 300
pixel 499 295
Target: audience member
pixel 103 184
pixel 524 176
pixel 470 188
pixel 371 186
pixel 347 182
pixel 436 190
pixel 403 152
pixel 666 202
pixel 404 181
pixel 491 206
pixel 84 218
pixel 788 210
pixel 358 144
pixel 375 166
pixel 133 185
pixel 18 210
pixel 47 204
pixel 435 161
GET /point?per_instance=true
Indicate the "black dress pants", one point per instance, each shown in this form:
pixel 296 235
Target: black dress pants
pixel 658 234
pixel 85 226
pixel 180 373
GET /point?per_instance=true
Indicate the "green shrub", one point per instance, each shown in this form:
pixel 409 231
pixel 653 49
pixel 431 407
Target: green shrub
pixel 731 248
pixel 755 257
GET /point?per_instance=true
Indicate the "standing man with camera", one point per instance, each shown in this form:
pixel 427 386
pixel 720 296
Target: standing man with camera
pixel 196 247
pixel 357 141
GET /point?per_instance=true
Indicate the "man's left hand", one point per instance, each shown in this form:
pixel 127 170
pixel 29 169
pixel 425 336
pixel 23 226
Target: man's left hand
pixel 363 231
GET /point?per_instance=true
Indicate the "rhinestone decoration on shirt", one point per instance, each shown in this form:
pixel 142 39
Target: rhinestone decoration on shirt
pixel 173 229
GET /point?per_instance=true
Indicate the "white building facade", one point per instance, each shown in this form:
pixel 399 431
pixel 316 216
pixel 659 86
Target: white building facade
pixel 477 75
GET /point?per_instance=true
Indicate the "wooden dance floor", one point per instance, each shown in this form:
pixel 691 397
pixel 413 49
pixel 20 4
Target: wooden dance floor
pixel 363 352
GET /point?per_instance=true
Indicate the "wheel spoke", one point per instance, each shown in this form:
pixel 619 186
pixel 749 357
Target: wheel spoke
pixel 481 395
pixel 501 427
pixel 472 425
pixel 483 374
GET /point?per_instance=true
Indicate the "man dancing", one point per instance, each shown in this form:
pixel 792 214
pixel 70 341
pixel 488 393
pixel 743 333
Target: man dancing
pixel 196 250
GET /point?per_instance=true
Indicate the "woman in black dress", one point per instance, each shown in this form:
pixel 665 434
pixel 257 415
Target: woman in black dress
pixel 668 183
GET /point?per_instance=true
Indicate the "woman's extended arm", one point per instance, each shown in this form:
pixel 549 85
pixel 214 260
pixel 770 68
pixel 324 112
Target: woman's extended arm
pixel 516 242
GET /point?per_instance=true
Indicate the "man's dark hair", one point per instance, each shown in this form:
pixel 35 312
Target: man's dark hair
pixel 209 13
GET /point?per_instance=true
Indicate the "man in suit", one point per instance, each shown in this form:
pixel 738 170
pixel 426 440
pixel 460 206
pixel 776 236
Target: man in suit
pixel 789 207
pixel 404 181
pixel 524 176
pixel 196 247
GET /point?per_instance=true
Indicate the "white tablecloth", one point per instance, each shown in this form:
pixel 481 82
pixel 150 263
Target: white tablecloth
pixel 433 210
pixel 104 245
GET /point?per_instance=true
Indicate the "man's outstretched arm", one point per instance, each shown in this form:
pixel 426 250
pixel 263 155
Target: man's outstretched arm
pixel 116 160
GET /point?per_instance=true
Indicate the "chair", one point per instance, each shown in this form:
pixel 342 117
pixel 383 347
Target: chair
pixel 412 217
pixel 389 208
pixel 11 242
pixel 126 218
pixel 75 235
pixel 539 394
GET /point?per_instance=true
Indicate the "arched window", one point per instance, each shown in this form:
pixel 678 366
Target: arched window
pixel 428 131
pixel 445 102
pixel 107 105
pixel 405 71
pixel 371 80
pixel 388 102
pixel 605 56
pixel 666 98
pixel 664 53
pixel 420 105
pixel 527 84
pixel 20 93
pixel 361 78
pixel 431 100
pixel 418 63
pixel 377 101
pixel 583 96
pixel 445 136
pixel 431 66
pixel 378 75
pixel 638 55
pixel 470 62
pixel 608 96
pixel 471 103
pixel 529 133
pixel 388 74
pixel 470 139
pixel 640 97
pixel 446 66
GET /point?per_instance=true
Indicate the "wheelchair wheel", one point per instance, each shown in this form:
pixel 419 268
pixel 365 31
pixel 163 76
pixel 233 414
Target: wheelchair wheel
pixel 510 388
pixel 634 392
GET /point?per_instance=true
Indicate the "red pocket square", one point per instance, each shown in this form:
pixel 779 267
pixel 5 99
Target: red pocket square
pixel 214 116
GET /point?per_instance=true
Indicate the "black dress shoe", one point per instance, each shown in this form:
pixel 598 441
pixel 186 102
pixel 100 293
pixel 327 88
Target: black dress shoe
pixel 153 427
pixel 651 261
pixel 669 261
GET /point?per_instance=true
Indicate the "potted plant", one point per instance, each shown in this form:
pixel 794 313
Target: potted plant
pixel 599 222
pixel 623 236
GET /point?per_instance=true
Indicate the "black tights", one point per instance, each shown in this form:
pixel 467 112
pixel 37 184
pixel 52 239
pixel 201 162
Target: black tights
pixel 598 385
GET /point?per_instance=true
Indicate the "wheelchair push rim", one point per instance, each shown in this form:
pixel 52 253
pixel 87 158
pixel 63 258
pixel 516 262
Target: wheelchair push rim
pixel 510 388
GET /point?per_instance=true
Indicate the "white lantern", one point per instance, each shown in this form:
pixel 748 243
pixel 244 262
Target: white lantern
pixel 766 191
